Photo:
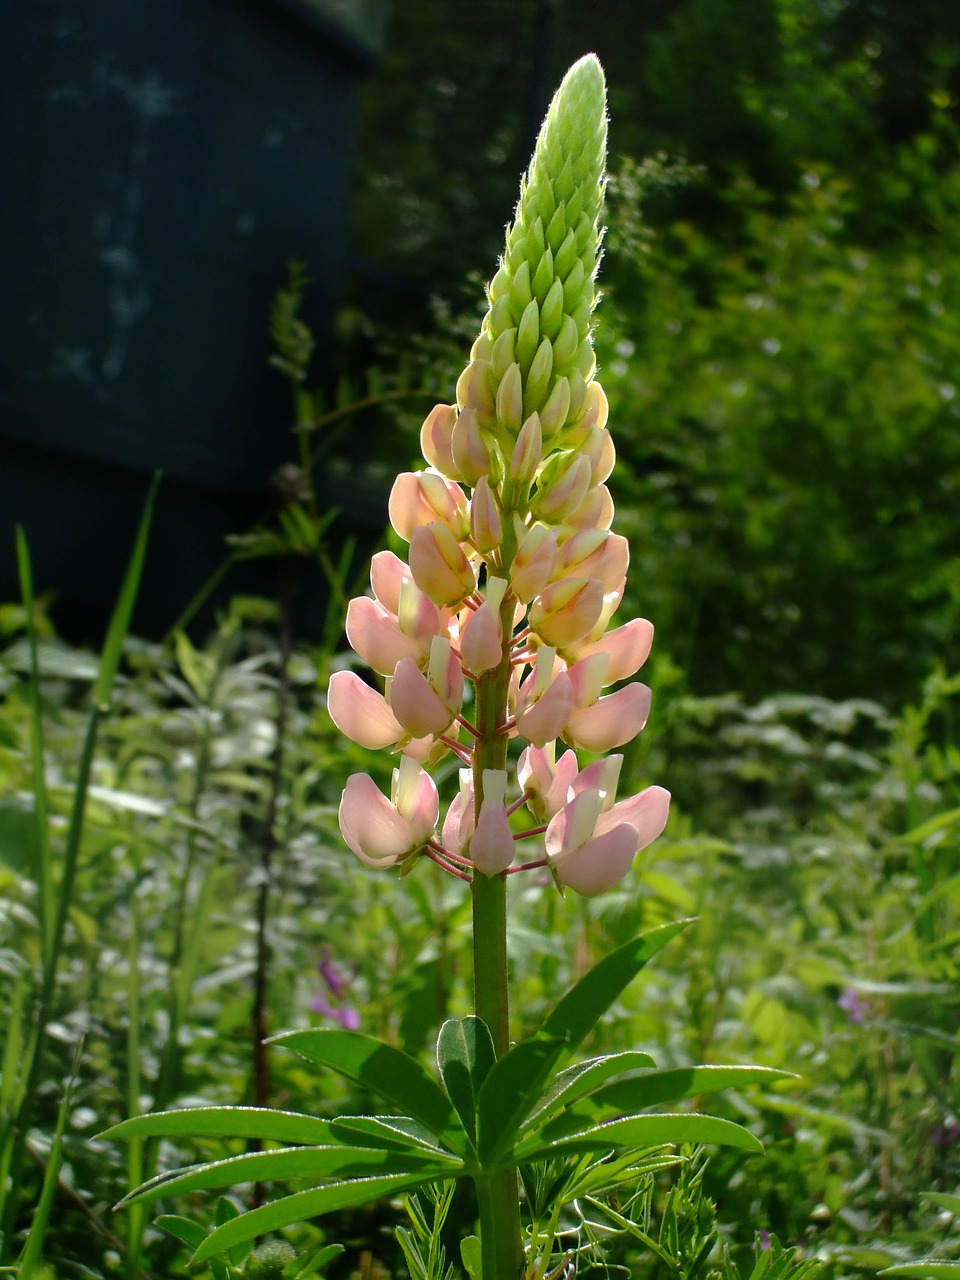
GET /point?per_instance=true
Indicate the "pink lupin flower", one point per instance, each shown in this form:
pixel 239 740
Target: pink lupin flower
pixel 533 564
pixel 627 649
pixel 481 634
pixel 590 850
pixel 426 497
pixel 436 440
pixel 492 848
pixel 425 705
pixel 610 721
pixel 567 610
pixel 439 566
pixel 594 553
pixel 459 823
pixel 382 832
pixel 469 450
pixel 361 713
pixel 388 573
pixel 376 635
pixel 545 783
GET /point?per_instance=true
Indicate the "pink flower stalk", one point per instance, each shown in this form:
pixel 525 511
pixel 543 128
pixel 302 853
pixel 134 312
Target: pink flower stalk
pixel 513 575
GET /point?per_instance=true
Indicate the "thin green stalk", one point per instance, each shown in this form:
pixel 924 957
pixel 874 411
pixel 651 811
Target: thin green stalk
pixel 40 808
pixel 136 1218
pixel 498 1196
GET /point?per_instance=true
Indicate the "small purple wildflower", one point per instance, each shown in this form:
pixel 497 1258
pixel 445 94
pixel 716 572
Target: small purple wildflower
pixel 337 987
pixel 944 1136
pixel 348 1018
pixel 336 982
pixel 856 1009
pixel 763 1239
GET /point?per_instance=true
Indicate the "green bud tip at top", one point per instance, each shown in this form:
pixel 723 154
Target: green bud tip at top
pixel 535 350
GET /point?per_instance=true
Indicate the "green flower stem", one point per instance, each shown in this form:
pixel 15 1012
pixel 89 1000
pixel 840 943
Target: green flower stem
pixel 498 1195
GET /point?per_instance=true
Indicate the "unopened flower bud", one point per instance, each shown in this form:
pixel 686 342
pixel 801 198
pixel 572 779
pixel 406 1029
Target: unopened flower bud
pixel 594 553
pixel 435 440
pixel 469 450
pixel 509 402
pixel 539 379
pixel 528 334
pixel 527 452
pixel 475 392
pixel 600 449
pixel 596 511
pixel 424 497
pixel 554 413
pixel 486 531
pixel 439 566
pixel 555 501
pixel 532 566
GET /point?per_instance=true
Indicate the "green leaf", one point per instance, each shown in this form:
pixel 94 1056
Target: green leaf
pixel 582 1078
pixel 384 1070
pixel 933 1268
pixel 944 1201
pixel 641 1132
pixel 226 1122
pixel 318 1260
pixel 585 1004
pixel 295 1162
pixel 656 1087
pixel 302 1206
pixel 390 1133
pixel 465 1055
pixel 471 1256
pixel 185 1229
pixel 513 1086
pixel 123 609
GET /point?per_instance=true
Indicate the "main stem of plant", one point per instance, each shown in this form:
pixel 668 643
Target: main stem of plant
pixel 501 1243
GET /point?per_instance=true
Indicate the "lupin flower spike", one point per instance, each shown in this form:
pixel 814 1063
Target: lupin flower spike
pixel 512 577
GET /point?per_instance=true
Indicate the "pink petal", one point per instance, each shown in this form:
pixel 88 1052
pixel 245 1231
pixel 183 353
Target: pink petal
pixel 573 825
pixel 646 812
pixel 406 507
pixel 418 803
pixel 599 864
pixel 387 574
pixel 435 439
pixel 439 566
pixel 360 712
pixel 628 648
pixel 371 826
pixel 492 847
pixel 545 720
pixel 415 705
pixel 602 775
pixel 481 640
pixel 612 721
pixel 567 610
pixel 458 825
pixel 376 636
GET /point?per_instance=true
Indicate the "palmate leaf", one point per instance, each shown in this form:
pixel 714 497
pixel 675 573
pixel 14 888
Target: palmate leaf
pixel 385 1071
pixel 651 1089
pixel 307 1204
pixel 294 1162
pixel 227 1122
pixel 925 1269
pixel 586 1003
pixel 584 1078
pixel 517 1082
pixel 640 1132
pixel 390 1133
